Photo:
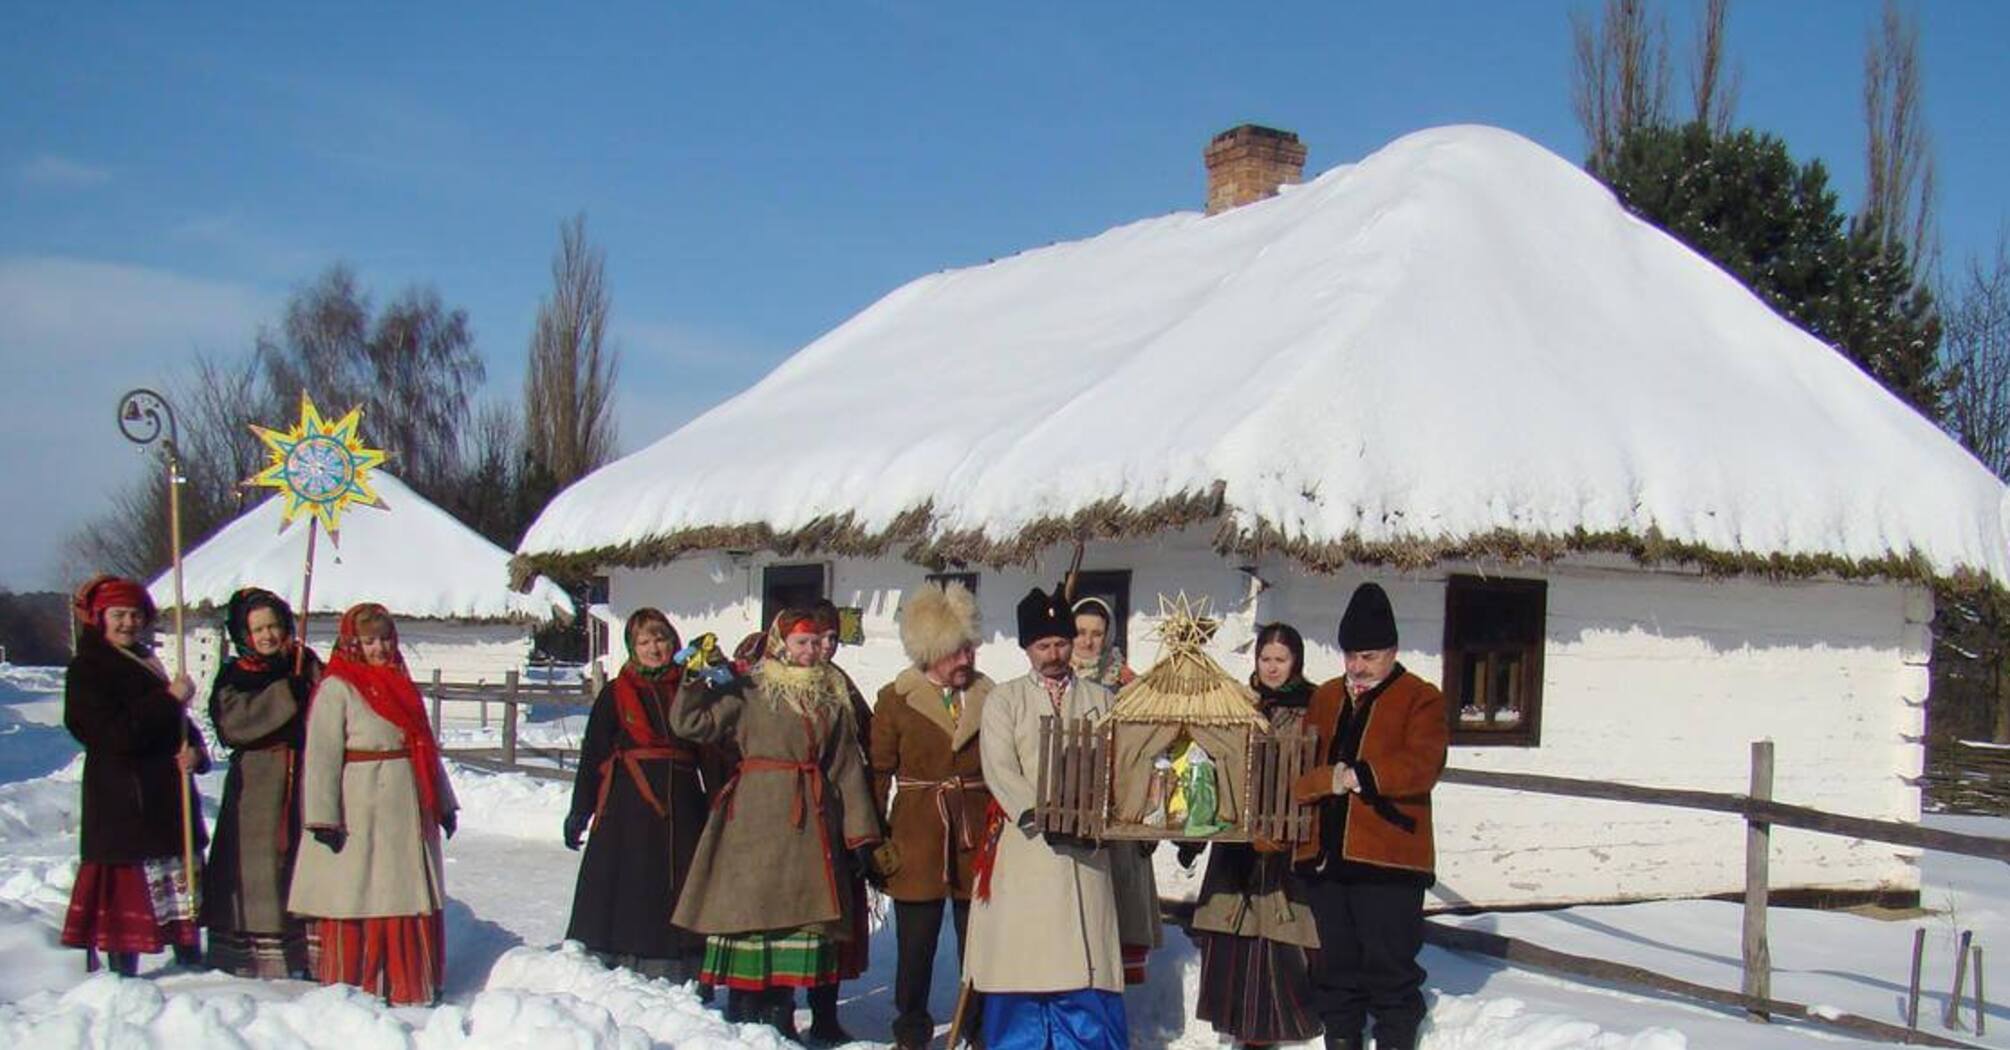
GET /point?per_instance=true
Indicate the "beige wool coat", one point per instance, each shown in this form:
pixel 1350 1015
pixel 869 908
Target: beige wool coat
pixel 1050 924
pixel 774 853
pixel 390 863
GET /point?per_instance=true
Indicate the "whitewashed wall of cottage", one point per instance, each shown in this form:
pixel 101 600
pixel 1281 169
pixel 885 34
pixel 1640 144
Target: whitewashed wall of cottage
pixel 1652 677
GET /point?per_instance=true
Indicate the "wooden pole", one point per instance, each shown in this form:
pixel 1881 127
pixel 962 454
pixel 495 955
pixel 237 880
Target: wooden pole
pixel 439 722
pixel 306 593
pixel 1912 989
pixel 959 1017
pixel 1758 983
pixel 1953 1015
pixel 509 721
pixel 1981 1006
pixel 181 662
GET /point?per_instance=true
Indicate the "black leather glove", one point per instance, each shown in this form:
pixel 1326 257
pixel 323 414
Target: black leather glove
pixel 862 863
pixel 575 829
pixel 1063 840
pixel 1188 852
pixel 333 838
pixel 450 822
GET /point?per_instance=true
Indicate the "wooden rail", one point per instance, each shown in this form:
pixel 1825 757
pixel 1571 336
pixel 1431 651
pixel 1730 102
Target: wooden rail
pixel 512 693
pixel 1761 813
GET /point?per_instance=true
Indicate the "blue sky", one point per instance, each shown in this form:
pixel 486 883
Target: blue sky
pixel 756 173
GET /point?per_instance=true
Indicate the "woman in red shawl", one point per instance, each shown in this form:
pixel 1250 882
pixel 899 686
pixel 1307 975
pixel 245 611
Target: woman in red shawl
pixel 638 788
pixel 375 799
pixel 133 892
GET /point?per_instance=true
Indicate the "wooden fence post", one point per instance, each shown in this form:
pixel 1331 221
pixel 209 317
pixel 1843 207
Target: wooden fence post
pixel 1981 1005
pixel 1758 983
pixel 1912 990
pixel 439 725
pixel 1953 1016
pixel 509 720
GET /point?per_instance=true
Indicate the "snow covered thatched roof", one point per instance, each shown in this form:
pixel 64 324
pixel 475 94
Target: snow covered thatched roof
pixel 415 558
pixel 1460 346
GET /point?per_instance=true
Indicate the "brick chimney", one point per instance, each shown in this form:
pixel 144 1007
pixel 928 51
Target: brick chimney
pixel 1248 163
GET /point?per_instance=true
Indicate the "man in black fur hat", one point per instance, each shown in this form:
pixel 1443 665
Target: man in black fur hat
pixel 1043 929
pixel 1370 857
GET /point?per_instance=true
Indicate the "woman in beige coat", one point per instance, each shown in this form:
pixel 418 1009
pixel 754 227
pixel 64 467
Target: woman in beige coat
pixel 770 884
pixel 375 797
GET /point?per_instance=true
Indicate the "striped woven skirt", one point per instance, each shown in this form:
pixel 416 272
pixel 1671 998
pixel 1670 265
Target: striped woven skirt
pixel 751 962
pixel 142 907
pixel 267 955
pixel 400 957
pixel 1255 990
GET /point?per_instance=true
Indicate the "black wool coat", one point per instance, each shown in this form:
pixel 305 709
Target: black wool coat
pixel 130 726
pixel 635 860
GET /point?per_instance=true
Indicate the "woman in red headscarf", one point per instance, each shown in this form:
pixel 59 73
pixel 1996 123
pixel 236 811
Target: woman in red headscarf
pixel 770 883
pixel 375 799
pixel 638 788
pixel 133 892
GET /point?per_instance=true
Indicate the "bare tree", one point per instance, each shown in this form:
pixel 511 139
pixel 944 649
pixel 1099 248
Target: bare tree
pixel 1713 88
pixel 1621 75
pixel 1899 189
pixel 412 367
pixel 568 392
pixel 1975 350
pixel 216 401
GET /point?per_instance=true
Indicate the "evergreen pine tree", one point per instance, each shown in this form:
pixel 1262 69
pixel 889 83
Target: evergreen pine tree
pixel 1740 200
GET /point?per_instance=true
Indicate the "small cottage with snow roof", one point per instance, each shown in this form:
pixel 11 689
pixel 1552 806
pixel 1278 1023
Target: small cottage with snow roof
pixel 446 584
pixel 1630 518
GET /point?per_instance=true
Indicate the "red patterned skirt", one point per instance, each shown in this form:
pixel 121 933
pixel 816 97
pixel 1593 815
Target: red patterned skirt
pixel 400 957
pixel 1134 956
pixel 142 907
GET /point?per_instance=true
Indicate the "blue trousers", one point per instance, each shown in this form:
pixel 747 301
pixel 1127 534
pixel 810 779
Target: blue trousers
pixel 1081 1020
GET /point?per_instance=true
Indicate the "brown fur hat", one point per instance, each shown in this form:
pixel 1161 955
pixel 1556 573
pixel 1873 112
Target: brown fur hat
pixel 937 620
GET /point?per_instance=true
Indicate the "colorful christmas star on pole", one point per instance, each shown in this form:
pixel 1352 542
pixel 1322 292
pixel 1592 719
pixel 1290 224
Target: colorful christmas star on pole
pixel 320 468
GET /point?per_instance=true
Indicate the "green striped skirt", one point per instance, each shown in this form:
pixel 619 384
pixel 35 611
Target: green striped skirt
pixel 781 959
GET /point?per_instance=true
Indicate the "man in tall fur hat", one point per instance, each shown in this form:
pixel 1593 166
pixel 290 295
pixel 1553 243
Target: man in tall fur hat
pixel 1043 931
pixel 1370 857
pixel 925 756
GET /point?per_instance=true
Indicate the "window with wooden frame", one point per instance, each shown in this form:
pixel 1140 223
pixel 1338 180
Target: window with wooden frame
pixel 1494 631
pixel 789 587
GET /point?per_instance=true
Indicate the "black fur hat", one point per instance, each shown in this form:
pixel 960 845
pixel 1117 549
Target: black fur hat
pixel 1043 615
pixel 1370 621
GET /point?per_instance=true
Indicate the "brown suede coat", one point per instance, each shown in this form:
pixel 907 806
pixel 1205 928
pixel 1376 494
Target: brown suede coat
pixel 915 749
pixel 1403 748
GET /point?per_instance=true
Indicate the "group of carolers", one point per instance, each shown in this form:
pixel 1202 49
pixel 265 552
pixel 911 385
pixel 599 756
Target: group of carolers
pixel 732 814
pixel 326 861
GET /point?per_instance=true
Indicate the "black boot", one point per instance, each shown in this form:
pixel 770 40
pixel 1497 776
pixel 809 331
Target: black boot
pixel 1344 1042
pixel 741 1007
pixel 824 1027
pixel 188 956
pixel 781 1012
pixel 125 964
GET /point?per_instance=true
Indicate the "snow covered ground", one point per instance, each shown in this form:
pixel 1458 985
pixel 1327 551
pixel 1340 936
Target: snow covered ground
pixel 512 983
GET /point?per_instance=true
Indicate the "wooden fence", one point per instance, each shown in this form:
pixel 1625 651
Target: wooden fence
pixel 1968 778
pixel 512 694
pixel 1761 814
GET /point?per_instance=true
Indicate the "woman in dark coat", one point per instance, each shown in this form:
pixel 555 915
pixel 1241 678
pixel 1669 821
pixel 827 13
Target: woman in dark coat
pixel 258 705
pixel 639 789
pixel 1252 922
pixel 133 892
